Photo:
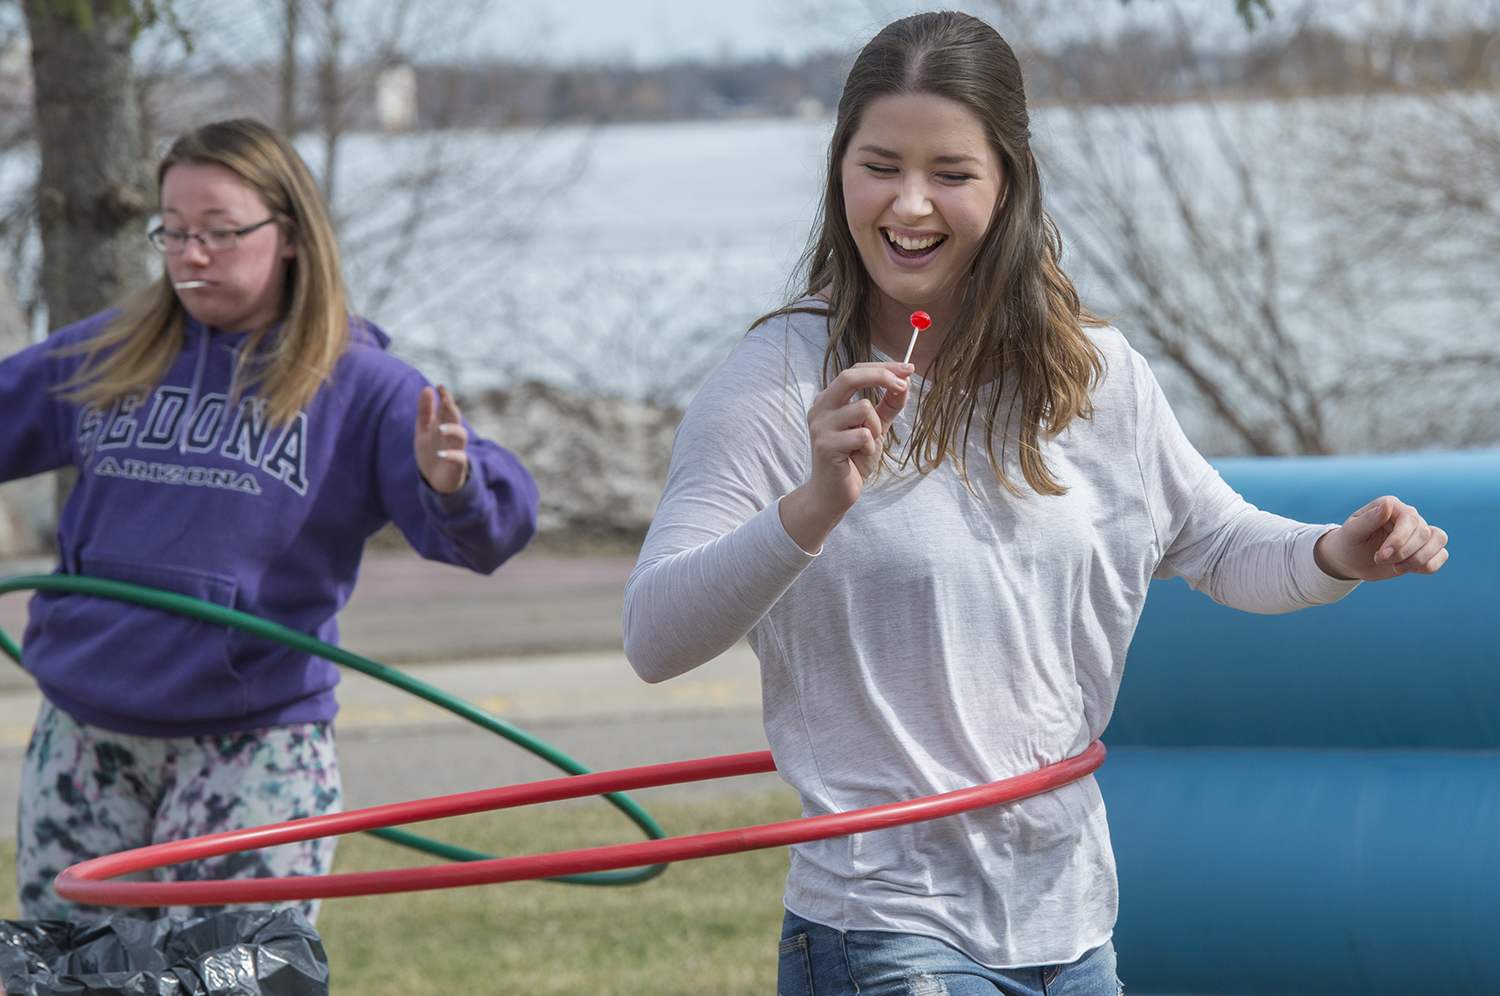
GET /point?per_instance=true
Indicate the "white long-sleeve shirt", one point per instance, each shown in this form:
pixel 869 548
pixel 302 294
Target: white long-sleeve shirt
pixel 944 638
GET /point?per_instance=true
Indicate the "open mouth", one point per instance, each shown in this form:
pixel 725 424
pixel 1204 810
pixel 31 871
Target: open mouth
pixel 913 248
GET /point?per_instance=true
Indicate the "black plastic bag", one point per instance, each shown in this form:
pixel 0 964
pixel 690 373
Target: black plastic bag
pixel 252 953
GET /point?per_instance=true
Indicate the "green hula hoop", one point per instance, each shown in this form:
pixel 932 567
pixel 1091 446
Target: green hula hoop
pixel 235 619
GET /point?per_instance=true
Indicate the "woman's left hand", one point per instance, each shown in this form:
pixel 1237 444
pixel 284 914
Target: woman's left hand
pixel 440 441
pixel 1385 539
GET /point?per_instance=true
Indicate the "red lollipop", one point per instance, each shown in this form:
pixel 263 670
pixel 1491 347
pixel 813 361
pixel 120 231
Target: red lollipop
pixel 919 321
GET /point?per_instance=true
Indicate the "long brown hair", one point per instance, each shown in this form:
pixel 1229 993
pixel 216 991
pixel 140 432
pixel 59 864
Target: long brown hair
pixel 1020 324
pixel 134 351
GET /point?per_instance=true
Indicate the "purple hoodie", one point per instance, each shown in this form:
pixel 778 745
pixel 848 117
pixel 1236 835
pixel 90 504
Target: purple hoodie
pixel 181 490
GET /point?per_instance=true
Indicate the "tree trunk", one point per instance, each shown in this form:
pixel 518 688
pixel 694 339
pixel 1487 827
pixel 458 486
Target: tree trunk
pixel 92 192
pixel 331 96
pixel 290 24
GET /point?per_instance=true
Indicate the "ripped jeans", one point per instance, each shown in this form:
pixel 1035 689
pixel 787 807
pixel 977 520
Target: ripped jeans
pixel 820 961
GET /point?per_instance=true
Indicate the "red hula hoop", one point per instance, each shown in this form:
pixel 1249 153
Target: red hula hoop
pixel 84 882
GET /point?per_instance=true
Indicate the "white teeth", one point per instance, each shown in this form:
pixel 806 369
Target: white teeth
pixel 911 245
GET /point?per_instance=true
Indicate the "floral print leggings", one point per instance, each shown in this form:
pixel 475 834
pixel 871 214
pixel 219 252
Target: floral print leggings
pixel 86 792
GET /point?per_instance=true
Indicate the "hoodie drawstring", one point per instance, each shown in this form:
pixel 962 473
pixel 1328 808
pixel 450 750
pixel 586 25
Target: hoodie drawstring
pixel 192 399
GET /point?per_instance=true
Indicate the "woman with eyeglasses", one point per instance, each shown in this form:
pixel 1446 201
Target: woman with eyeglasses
pixel 238 436
pixel 940 562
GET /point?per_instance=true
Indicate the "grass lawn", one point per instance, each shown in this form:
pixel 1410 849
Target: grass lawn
pixel 707 926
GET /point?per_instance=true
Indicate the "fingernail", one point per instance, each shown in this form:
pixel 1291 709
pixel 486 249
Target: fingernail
pixel 442 454
pixel 445 427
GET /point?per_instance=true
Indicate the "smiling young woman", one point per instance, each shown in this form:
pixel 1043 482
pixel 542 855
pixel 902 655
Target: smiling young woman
pixel 940 563
pixel 920 186
pixel 1001 305
pixel 238 435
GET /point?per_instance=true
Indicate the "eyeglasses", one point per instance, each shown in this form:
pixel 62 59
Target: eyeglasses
pixel 172 242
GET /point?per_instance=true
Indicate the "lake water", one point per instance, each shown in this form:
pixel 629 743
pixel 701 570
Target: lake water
pixel 624 259
pixel 628 259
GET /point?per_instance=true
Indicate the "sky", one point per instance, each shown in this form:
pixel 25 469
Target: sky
pixel 644 32
pixel 650 32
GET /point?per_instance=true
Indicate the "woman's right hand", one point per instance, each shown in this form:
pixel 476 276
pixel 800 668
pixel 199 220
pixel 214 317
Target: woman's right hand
pixel 848 437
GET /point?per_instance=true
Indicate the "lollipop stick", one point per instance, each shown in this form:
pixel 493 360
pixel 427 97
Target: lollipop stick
pixel 919 321
pixel 911 345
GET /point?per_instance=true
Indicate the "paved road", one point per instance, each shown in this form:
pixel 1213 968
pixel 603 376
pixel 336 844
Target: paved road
pixel 538 644
pixel 406 609
pixel 409 610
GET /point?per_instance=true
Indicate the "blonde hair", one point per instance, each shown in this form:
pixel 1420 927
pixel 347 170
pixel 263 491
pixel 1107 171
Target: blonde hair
pixel 134 351
pixel 1021 324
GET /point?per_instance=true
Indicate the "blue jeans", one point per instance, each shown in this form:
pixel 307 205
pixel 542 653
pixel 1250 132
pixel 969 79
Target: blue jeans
pixel 820 961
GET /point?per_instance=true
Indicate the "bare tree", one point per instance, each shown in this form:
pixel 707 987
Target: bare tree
pixel 287 118
pixel 645 335
pixel 1175 223
pixel 1296 283
pixel 429 219
pixel 91 193
pixel 1186 243
pixel 1249 11
pixel 1413 176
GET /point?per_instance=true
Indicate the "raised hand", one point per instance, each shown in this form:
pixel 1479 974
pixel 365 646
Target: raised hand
pixel 1385 539
pixel 440 441
pixel 848 437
